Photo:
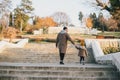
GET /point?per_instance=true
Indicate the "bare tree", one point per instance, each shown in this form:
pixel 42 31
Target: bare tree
pixel 5 6
pixel 61 18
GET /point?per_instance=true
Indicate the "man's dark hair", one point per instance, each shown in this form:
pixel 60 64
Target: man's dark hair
pixel 64 28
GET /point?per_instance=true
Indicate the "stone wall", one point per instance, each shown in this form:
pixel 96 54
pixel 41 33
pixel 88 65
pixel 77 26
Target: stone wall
pixel 38 32
pixel 5 44
pixel 72 30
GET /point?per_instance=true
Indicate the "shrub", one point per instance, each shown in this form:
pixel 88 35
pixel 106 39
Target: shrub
pixel 109 50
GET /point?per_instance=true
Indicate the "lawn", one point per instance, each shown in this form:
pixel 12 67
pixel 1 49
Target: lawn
pixel 52 37
pixel 115 34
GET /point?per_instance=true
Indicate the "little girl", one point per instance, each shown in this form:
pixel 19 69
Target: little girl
pixel 82 53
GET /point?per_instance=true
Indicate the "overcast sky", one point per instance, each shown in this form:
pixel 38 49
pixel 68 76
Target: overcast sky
pixel 72 8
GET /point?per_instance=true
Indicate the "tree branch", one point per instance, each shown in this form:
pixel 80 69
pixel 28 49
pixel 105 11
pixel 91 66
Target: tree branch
pixel 103 5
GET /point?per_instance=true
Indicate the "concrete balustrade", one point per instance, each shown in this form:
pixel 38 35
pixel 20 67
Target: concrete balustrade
pixel 98 44
pixel 5 44
pixel 22 43
pixel 103 42
pixel 97 49
pixel 88 43
pixel 2 46
pixel 116 60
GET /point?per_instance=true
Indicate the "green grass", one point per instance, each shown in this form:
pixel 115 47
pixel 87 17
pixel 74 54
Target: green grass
pixel 116 34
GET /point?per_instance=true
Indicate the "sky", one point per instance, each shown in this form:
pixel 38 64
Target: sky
pixel 72 8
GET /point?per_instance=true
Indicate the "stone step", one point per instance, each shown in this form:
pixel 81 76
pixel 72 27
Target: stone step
pixel 41 53
pixel 41 62
pixel 60 73
pixel 12 77
pixel 29 71
pixel 55 66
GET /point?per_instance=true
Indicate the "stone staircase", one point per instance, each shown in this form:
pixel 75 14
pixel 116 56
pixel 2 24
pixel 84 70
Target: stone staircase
pixel 41 62
pixel 31 71
pixel 41 53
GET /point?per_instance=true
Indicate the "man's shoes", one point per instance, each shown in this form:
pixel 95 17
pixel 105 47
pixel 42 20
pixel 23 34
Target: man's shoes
pixel 62 63
pixel 83 63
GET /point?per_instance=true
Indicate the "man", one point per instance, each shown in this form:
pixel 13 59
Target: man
pixel 61 43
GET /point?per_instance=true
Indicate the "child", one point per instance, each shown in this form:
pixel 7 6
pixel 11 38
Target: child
pixel 82 53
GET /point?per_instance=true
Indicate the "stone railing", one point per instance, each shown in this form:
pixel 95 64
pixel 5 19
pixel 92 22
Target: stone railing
pixel 99 56
pixel 103 42
pixel 97 51
pixel 116 60
pixel 19 44
pixel 2 46
pixel 109 43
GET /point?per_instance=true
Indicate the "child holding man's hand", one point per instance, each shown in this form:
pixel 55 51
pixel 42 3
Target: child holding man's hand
pixel 82 53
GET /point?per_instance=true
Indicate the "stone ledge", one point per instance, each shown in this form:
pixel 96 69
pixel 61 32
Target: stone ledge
pixel 88 65
pixel 100 58
pixel 116 60
pixel 4 44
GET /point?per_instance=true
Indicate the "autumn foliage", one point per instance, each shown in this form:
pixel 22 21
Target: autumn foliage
pixel 10 33
pixel 44 22
pixel 89 23
pixel 112 24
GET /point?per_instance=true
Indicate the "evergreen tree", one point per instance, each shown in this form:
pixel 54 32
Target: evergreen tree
pixel 101 22
pixel 94 20
pixel 10 19
pixel 80 16
pixel 23 14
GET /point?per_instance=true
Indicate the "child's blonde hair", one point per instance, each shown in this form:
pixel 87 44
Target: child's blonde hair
pixel 82 43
